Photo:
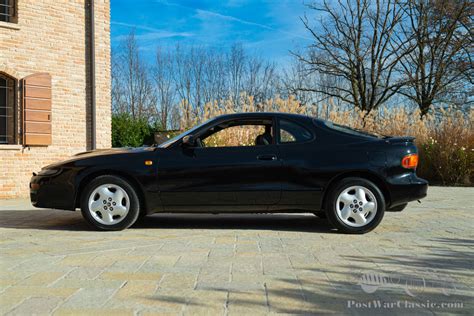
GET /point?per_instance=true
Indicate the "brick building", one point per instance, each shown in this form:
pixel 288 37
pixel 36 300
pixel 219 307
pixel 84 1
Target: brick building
pixel 54 85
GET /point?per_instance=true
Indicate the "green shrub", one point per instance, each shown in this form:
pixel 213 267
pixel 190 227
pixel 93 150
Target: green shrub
pixel 131 132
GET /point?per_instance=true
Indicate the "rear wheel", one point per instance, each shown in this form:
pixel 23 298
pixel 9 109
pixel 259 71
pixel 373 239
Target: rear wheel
pixel 110 203
pixel 355 205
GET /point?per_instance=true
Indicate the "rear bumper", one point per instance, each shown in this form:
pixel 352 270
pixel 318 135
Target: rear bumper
pixel 407 189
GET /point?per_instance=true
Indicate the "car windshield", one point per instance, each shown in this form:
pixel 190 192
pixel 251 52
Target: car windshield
pixel 350 130
pixel 171 141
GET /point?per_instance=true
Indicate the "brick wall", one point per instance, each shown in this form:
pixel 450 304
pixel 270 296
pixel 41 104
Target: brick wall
pixel 50 36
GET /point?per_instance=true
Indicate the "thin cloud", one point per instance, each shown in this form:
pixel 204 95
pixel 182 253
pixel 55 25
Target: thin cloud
pixel 153 34
pixel 207 13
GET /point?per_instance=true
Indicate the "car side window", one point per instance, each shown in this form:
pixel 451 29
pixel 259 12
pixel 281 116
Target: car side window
pixel 239 135
pixel 293 133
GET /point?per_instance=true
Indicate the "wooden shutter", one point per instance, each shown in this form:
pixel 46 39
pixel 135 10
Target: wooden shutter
pixel 36 94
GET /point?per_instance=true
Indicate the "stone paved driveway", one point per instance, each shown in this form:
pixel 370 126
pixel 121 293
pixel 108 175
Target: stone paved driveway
pixel 419 261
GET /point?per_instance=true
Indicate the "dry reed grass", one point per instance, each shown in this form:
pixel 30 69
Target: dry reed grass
pixel 445 139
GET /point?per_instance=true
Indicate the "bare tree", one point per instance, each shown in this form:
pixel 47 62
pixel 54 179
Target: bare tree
pixel 182 79
pixel 215 83
pixel 236 63
pixel 441 48
pixel 353 44
pixel 298 75
pixel 197 61
pixel 165 90
pixel 260 79
pixel 185 78
pixel 132 81
pixel 119 104
pixel 293 78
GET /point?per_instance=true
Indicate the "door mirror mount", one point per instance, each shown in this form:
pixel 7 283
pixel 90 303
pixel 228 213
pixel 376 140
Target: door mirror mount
pixel 189 141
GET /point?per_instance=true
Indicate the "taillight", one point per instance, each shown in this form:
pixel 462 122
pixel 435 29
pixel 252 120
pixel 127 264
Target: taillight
pixel 410 161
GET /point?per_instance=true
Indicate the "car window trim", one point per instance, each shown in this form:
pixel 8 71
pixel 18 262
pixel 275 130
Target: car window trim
pixel 313 135
pixel 272 118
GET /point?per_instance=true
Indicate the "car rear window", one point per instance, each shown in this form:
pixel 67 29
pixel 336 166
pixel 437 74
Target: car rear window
pixel 349 130
pixel 291 132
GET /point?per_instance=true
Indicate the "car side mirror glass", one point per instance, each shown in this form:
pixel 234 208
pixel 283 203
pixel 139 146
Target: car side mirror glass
pixel 188 141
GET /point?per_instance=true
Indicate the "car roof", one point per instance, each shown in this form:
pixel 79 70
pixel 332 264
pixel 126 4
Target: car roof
pixel 263 114
pixel 296 117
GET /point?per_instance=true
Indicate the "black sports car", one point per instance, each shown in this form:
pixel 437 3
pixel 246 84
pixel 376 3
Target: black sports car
pixel 250 162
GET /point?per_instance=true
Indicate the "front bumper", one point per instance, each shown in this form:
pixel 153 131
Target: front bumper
pixel 56 191
pixel 407 189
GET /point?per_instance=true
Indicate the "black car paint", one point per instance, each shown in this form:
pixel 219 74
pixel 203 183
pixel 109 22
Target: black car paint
pixel 273 178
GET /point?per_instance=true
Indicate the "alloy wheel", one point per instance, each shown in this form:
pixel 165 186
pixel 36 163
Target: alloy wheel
pixel 109 204
pixel 356 206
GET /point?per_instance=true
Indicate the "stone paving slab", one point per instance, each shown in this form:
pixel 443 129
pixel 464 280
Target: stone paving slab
pixel 418 262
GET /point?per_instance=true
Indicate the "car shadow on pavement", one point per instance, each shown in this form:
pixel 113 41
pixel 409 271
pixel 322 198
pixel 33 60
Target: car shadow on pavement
pixel 283 222
pixel 45 219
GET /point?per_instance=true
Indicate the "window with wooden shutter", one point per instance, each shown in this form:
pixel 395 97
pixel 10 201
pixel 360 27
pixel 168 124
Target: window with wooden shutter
pixel 8 110
pixel 36 94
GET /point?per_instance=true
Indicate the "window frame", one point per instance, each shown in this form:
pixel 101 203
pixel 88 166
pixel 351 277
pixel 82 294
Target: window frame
pixel 278 135
pixel 202 132
pixel 15 117
pixel 11 17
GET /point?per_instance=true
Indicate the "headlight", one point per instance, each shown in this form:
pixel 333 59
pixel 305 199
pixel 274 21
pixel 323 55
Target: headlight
pixel 48 172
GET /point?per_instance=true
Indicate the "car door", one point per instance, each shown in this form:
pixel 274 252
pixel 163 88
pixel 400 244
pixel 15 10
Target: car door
pixel 301 185
pixel 234 178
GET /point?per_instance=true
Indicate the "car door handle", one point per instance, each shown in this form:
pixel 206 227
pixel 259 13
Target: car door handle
pixel 267 157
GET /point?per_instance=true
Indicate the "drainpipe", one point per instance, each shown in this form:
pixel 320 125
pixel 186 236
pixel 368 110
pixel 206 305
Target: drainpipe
pixel 92 73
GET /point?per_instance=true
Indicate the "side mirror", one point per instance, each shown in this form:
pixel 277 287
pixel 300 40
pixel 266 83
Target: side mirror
pixel 188 141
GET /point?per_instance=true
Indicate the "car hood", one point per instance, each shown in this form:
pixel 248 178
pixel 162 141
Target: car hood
pixel 101 152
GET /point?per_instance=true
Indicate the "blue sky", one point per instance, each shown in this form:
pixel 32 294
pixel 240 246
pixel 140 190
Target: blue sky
pixel 268 28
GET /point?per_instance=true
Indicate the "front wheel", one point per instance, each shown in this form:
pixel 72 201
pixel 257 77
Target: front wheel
pixel 110 203
pixel 355 205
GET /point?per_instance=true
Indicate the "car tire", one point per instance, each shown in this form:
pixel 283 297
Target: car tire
pixel 398 208
pixel 355 206
pixel 110 203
